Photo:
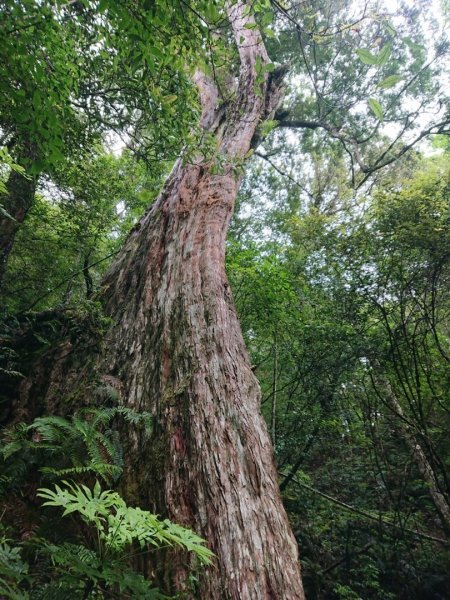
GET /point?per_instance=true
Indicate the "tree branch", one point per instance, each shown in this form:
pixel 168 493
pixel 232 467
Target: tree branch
pixel 367 515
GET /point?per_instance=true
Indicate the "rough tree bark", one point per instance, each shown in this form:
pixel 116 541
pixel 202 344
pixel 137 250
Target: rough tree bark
pixel 176 349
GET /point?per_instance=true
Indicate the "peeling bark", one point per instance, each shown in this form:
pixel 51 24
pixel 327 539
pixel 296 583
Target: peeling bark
pixel 175 349
pixel 180 354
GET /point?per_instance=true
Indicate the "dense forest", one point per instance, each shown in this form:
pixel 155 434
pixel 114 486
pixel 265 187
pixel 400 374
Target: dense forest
pixel 224 299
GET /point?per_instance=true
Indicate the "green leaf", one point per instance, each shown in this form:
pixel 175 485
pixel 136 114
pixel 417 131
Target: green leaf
pixel 376 108
pixel 37 99
pixel 270 33
pixel 269 67
pixel 416 49
pixel 379 59
pixel 389 81
pixel 56 155
pixel 384 54
pixel 6 214
pixel 117 524
pixel 367 57
pixel 157 52
pixel 390 28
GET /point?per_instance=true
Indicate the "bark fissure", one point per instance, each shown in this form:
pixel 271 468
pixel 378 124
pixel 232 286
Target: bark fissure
pixel 218 465
pixel 177 350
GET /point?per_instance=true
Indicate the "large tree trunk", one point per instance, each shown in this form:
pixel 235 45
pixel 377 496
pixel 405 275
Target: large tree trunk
pixel 179 352
pixel 176 349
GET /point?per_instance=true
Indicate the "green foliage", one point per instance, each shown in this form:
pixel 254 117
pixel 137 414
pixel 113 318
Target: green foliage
pixel 325 279
pixel 59 447
pixel 119 525
pixel 376 108
pixel 74 561
pixel 79 573
pixel 390 81
pixel 74 229
pixel 343 54
pixel 7 165
pixel 13 570
pixel 93 569
pixel 342 285
pixel 73 70
pixel 379 59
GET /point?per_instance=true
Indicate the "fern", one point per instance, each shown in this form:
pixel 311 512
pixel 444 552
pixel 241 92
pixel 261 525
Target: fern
pixel 106 471
pixel 118 528
pixel 79 568
pixel 108 392
pixel 62 566
pixel 84 444
pixel 119 525
pixel 13 571
pixel 8 360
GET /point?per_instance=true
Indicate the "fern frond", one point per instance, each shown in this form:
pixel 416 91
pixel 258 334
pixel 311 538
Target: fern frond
pixel 104 470
pixel 53 429
pixel 119 525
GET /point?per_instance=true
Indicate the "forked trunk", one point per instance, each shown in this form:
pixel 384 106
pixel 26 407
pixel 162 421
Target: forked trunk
pixel 175 349
pixel 180 354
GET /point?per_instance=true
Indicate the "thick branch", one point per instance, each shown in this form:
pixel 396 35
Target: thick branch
pixel 209 99
pixel 247 36
pixel 383 160
pixel 258 94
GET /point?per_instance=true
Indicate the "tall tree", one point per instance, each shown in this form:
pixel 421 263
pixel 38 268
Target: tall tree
pixel 175 347
pixel 70 71
pixel 176 350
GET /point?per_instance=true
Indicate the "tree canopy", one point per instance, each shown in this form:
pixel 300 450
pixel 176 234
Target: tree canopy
pixel 337 258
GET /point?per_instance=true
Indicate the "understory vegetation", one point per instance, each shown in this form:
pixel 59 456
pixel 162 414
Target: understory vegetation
pixel 346 318
pixel 340 277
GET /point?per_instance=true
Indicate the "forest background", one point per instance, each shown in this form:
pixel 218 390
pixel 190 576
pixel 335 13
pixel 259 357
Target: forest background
pixel 337 256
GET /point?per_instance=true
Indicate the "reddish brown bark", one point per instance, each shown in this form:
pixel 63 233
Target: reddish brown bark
pixel 176 349
pixel 180 354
